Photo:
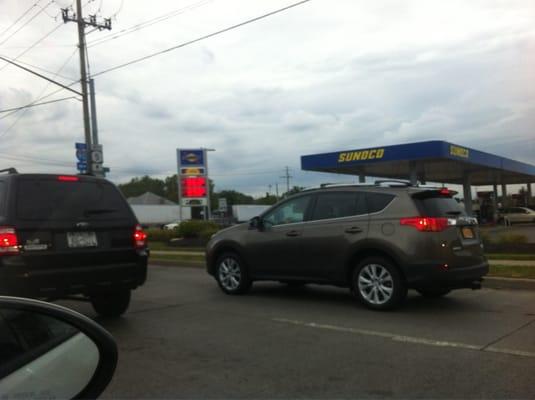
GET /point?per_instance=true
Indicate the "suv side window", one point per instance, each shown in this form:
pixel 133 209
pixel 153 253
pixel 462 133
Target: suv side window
pixel 339 205
pixel 378 201
pixel 290 212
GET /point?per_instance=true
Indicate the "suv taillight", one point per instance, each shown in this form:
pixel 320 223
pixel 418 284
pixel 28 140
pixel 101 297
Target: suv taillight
pixel 9 243
pixel 426 224
pixel 140 237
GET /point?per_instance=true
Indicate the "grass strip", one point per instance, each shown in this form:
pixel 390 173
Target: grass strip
pixel 517 271
pixel 510 256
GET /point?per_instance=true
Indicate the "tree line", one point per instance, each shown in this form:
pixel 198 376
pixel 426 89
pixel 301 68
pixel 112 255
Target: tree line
pixel 168 189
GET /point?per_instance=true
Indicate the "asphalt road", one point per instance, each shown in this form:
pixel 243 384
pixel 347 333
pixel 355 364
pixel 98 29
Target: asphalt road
pixel 183 338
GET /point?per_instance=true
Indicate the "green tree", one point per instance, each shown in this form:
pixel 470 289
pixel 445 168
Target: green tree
pixel 138 186
pixel 294 190
pixel 171 188
pixel 267 200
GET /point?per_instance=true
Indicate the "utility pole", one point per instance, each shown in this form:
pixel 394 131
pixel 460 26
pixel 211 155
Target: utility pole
pixel 287 176
pixel 82 23
pixel 277 190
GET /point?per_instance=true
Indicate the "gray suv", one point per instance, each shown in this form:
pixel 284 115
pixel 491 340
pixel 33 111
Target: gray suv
pixel 378 241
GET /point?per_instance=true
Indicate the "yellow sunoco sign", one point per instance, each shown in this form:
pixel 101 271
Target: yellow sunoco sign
pixel 361 155
pixel 459 151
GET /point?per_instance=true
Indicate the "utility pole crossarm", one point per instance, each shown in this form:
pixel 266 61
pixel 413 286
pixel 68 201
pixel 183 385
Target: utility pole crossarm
pixel 91 21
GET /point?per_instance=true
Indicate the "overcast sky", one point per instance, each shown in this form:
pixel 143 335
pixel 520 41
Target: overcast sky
pixel 323 76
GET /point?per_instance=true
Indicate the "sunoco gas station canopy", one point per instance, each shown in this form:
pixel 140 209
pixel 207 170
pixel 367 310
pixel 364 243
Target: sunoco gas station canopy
pixel 434 161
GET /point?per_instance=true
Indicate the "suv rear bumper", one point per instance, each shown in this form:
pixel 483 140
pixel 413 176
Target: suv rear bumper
pixel 61 282
pixel 436 276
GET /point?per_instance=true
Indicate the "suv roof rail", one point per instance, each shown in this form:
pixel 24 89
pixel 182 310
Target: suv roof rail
pixel 396 182
pixel 329 184
pixel 9 170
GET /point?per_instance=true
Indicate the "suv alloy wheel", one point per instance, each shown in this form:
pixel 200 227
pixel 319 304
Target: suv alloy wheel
pixel 231 274
pixel 378 284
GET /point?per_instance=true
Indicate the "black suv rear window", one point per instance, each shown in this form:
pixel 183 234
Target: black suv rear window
pixel 45 199
pixel 440 206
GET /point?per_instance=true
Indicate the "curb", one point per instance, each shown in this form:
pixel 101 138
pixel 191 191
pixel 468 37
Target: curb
pixel 490 282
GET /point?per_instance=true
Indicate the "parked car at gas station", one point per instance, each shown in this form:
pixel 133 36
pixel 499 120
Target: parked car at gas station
pixel 514 215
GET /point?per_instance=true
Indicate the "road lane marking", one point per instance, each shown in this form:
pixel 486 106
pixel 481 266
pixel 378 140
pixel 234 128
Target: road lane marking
pixel 405 339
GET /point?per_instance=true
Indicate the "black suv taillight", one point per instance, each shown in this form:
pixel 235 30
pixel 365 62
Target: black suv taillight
pixel 9 243
pixel 140 237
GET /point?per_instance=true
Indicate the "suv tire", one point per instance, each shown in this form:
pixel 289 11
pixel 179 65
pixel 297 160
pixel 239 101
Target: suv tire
pixel 378 284
pixel 433 293
pixel 231 274
pixel 111 304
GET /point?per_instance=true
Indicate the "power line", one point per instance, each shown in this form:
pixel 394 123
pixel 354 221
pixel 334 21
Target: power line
pixel 33 45
pixel 38 67
pixel 148 23
pixel 249 21
pixel 25 109
pixel 37 104
pixel 41 97
pixel 287 176
pixel 19 18
pixel 46 161
pixel 40 75
pixel 26 23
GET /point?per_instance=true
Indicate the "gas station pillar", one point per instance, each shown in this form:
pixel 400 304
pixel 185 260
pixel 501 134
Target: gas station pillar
pixel 467 193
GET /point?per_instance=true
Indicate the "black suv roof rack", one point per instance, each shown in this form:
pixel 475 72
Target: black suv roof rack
pixel 9 170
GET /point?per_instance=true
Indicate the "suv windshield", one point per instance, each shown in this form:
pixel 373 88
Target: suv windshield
pixel 40 199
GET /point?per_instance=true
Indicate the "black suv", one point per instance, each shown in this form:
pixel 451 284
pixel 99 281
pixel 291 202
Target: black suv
pixel 379 241
pixel 69 235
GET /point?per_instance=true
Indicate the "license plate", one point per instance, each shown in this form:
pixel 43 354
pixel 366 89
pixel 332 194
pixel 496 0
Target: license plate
pixel 468 233
pixel 81 239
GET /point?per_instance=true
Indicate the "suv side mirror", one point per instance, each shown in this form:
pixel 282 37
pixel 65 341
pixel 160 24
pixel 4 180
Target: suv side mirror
pixel 50 351
pixel 256 223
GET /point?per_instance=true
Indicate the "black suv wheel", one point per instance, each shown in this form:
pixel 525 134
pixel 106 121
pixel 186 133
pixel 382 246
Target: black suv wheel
pixel 112 303
pixel 378 284
pixel 231 274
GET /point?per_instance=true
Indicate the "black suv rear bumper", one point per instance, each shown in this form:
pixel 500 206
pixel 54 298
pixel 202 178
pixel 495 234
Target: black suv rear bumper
pixel 436 276
pixel 61 282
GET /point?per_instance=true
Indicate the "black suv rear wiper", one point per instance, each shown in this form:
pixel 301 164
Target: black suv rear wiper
pixel 93 211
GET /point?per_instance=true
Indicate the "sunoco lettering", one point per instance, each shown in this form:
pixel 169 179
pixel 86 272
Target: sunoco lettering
pixel 459 151
pixel 361 155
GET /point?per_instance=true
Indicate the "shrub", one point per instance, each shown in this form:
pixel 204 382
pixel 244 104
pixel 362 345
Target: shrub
pixel 207 233
pixel 194 228
pixel 512 238
pixel 161 235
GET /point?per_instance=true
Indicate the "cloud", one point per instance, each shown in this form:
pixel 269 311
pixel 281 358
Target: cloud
pixel 315 79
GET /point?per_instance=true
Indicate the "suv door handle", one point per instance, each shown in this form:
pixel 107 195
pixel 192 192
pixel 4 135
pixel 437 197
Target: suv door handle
pixel 292 233
pixel 353 229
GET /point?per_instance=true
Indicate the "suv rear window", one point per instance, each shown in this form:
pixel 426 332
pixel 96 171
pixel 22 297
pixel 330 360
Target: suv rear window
pixel 45 199
pixel 439 206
